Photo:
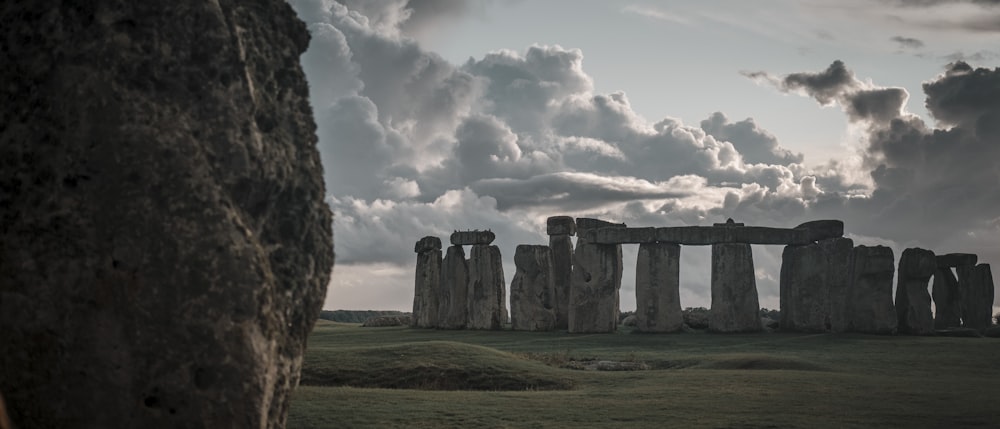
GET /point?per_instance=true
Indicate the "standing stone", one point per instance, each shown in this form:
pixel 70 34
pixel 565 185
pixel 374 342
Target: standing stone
pixel 560 229
pixel 427 283
pixel 977 297
pixel 597 278
pixel 454 290
pixel 531 290
pixel 838 254
pixel 805 289
pixel 913 301
pixel 869 307
pixel 165 246
pixel 735 307
pixel 657 288
pixel 947 302
pixel 486 288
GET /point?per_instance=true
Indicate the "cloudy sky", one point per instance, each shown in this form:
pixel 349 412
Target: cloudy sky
pixel 439 115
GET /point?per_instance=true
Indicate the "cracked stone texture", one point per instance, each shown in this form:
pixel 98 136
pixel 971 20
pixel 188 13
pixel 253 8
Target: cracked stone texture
pixel 165 243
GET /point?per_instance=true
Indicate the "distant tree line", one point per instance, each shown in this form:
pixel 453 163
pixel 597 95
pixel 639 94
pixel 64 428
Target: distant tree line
pixel 356 316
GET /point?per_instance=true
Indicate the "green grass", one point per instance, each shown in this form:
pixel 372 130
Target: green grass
pixel 429 378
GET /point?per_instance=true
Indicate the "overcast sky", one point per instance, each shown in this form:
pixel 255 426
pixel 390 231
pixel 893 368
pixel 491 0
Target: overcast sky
pixel 441 115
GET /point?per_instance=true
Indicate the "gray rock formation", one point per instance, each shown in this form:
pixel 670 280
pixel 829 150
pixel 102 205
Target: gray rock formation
pixel 531 306
pixel 597 277
pixel 427 283
pixel 735 306
pixel 560 225
pixel 957 259
pixel 869 304
pixel 657 288
pixel 459 238
pixel 165 243
pixel 947 301
pixel 818 230
pixel 453 311
pixel 487 293
pixel 560 229
pixel 838 254
pixel 977 297
pixel 805 289
pixel 913 301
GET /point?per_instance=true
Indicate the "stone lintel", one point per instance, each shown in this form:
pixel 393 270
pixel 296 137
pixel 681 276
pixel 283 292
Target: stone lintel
pixel 460 238
pixel 697 235
pixel 560 225
pixel 585 225
pixel 956 259
pixel 822 229
pixel 427 243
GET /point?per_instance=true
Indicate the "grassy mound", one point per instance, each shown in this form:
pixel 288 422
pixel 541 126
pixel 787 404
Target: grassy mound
pixel 759 362
pixel 432 365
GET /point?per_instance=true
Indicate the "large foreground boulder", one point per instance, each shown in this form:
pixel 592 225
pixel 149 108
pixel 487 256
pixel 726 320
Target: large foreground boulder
pixel 165 243
pixel 870 307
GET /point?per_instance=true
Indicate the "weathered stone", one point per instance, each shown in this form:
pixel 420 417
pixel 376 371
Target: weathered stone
pixel 869 305
pixel 838 254
pixel 585 224
pixel 453 310
pixel 531 306
pixel 805 289
pixel 487 290
pixel 976 296
pixel 657 288
pixel 561 248
pixel 956 259
pixel 618 235
pixel 427 289
pixel 913 301
pixel 707 235
pixel 596 280
pixel 560 225
pixel 165 241
pixel 735 306
pixel 822 229
pixel 459 238
pixel 947 298
pixel 427 243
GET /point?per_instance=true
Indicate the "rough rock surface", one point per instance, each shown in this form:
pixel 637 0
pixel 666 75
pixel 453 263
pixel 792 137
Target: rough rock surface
pixel 735 306
pixel 838 254
pixel 657 288
pixel 560 225
pixel 165 243
pixel 957 259
pixel 531 290
pixel 977 298
pixel 818 230
pixel 947 302
pixel 913 301
pixel 561 247
pixel 459 238
pixel 427 284
pixel 597 277
pixel 453 302
pixel 869 304
pixel 805 289
pixel 487 290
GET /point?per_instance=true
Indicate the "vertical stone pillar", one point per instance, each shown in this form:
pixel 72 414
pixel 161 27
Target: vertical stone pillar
pixel 560 229
pixel 427 282
pixel 657 288
pixel 869 304
pixel 913 301
pixel 735 306
pixel 486 288
pixel 947 306
pixel 454 304
pixel 838 257
pixel 596 280
pixel 805 288
pixel 977 297
pixel 531 306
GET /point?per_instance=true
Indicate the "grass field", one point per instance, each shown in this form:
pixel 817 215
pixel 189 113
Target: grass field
pixel 401 377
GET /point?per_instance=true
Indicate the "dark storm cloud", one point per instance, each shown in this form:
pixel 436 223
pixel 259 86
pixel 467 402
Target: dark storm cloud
pixel 824 86
pixel 907 42
pixel 965 96
pixel 575 191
